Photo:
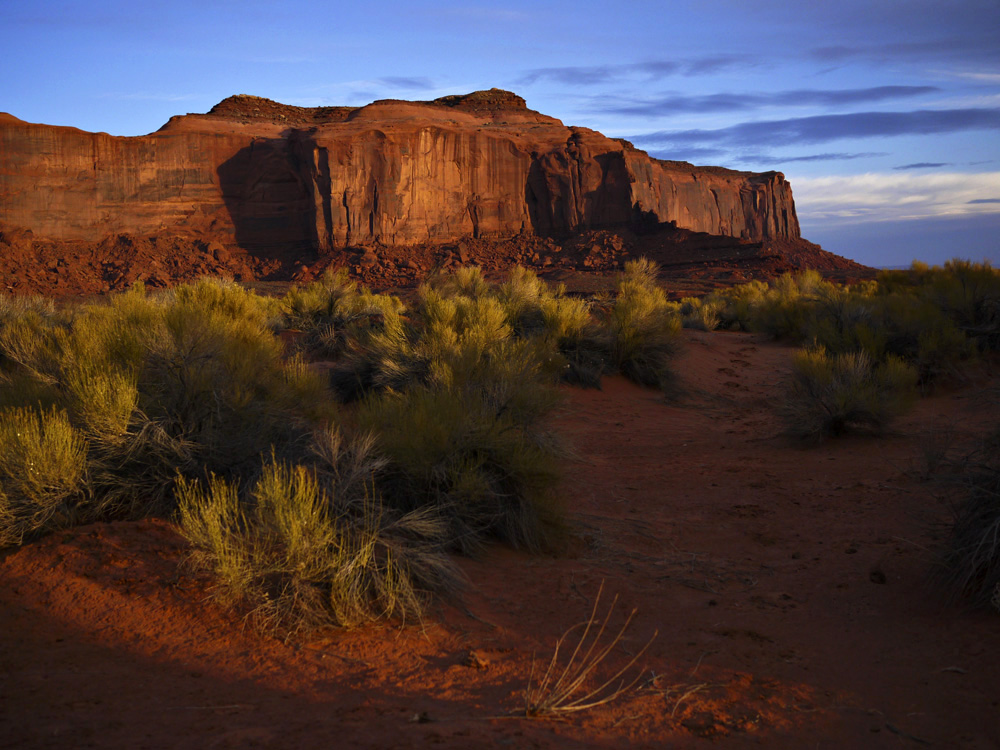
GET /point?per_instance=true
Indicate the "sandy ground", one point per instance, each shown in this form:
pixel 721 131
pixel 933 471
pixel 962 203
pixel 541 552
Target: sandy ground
pixel 788 586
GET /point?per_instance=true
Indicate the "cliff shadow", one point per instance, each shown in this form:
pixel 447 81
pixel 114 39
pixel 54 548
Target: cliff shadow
pixel 565 194
pixel 273 190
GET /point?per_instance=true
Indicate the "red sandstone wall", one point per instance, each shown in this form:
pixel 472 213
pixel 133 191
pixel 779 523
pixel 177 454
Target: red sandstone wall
pixel 260 174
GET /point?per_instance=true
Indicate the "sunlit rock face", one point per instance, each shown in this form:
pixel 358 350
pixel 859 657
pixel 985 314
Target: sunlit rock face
pixel 261 174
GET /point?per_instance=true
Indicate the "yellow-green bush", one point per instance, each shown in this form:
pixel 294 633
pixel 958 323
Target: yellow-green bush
pixel 333 310
pixel 43 472
pixel 294 559
pixel 191 380
pixel 479 463
pixel 640 326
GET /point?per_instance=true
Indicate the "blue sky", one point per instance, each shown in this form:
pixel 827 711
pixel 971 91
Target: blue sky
pixel 883 114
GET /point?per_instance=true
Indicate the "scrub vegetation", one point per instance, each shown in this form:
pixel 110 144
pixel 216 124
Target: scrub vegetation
pixel 337 494
pixel 315 497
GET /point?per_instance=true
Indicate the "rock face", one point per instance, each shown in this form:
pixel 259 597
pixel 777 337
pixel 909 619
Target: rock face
pixel 260 175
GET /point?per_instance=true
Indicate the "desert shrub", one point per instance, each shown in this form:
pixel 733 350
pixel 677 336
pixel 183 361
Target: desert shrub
pixel 466 438
pixel 466 281
pixel 969 293
pixel 846 321
pixel 295 559
pixel 17 306
pixel 333 310
pixel 230 299
pixel 43 472
pixel 454 334
pixel 389 355
pixel 787 309
pixel 735 305
pixel 521 297
pixel 640 328
pixel 480 462
pixel 700 313
pixel 966 293
pixel 917 331
pixel 830 395
pixel 191 380
pixel 970 561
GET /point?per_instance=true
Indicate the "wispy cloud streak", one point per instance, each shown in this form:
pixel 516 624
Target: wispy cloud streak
pixel 732 102
pixel 771 159
pixel 824 128
pixel 587 75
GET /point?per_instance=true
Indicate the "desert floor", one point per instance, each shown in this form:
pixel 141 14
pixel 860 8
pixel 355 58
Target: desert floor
pixel 789 587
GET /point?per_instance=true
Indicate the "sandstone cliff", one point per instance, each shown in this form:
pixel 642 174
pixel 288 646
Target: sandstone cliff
pixel 259 174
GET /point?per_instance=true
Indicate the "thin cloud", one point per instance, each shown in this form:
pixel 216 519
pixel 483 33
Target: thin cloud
pixel 980 46
pixel 712 64
pixel 411 84
pixel 981 77
pixel 587 75
pixel 574 75
pixel 922 165
pixel 730 102
pixel 770 159
pixel 689 154
pixel 890 197
pixel 824 128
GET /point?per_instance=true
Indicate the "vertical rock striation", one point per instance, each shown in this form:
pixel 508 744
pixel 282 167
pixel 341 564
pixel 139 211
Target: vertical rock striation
pixel 265 175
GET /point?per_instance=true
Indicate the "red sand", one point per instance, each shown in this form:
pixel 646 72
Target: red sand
pixel 759 563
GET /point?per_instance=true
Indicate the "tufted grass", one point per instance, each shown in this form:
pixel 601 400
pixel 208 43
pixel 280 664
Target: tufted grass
pixel 43 473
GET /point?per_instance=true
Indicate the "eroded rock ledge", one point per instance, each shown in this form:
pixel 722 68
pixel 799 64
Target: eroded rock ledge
pixel 259 174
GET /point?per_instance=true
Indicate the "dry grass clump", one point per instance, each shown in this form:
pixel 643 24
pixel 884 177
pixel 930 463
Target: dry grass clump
pixel 569 687
pixel 43 472
pixel 834 394
pixel 298 550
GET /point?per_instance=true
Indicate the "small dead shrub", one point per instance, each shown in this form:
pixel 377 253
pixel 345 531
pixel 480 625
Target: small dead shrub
pixel 569 687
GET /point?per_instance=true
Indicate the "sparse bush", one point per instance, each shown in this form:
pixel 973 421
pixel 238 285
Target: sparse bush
pixel 43 473
pixel 295 559
pixel 834 394
pixel 700 313
pixel 786 310
pixel 736 304
pixel 970 568
pixel 332 311
pixel 640 330
pixel 191 380
pixel 473 455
